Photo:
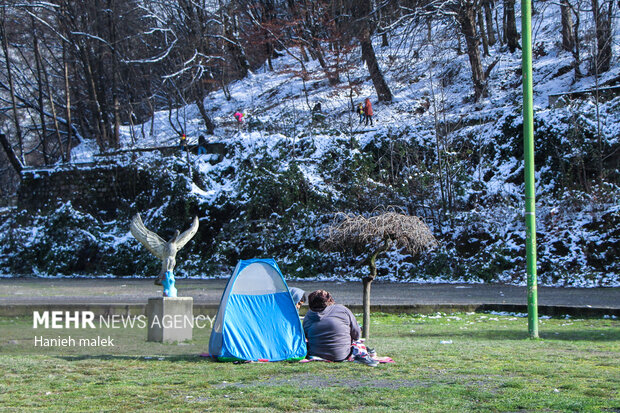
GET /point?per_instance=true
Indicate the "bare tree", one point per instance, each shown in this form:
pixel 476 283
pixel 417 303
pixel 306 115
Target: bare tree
pixel 67 90
pixel 483 34
pixel 488 14
pixel 231 41
pixel 375 235
pixel 512 36
pixel 568 38
pixel 5 49
pixel 362 11
pixel 603 15
pixel 466 16
pixel 10 153
pixel 571 21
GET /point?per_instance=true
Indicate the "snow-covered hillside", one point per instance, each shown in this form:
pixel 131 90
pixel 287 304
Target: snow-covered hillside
pixel 289 169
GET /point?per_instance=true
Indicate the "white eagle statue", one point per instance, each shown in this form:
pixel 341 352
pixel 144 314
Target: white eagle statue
pixel 165 251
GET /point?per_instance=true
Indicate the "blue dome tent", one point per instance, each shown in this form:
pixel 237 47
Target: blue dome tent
pixel 257 319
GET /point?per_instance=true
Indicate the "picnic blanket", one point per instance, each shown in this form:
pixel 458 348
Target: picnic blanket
pixel 308 360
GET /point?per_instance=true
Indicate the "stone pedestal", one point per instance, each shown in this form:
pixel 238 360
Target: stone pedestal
pixel 170 319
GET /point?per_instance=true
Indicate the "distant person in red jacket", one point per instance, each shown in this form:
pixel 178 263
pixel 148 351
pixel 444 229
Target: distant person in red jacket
pixel 368 111
pixel 239 116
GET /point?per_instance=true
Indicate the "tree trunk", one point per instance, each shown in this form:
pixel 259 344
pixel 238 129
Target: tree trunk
pixel 55 116
pixel 366 304
pixel 503 26
pixel 568 39
pixel 115 100
pixel 304 54
pixel 429 30
pixel 488 14
pixel 372 266
pixel 205 116
pixel 5 49
pixel 439 149
pixel 368 55
pixel 332 77
pixel 577 50
pixel 241 64
pixel 102 137
pixel 67 102
pixel 483 35
pixel 117 122
pixel 467 19
pixel 38 62
pixel 10 153
pixel 361 12
pixel 602 22
pixel 501 29
pixel 512 36
pixel 269 47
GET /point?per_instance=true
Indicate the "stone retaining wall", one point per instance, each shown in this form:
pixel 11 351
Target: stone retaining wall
pixel 94 188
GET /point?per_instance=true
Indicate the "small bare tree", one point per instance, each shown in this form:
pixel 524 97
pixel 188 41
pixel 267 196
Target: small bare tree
pixel 375 235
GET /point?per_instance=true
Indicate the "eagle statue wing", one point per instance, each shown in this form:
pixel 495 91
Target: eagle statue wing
pixel 187 235
pixel 153 242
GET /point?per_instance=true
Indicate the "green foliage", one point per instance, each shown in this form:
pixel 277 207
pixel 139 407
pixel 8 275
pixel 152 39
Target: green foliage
pixel 439 263
pixel 348 170
pixel 280 192
pixel 275 216
pixel 566 143
pixel 490 263
pixel 265 190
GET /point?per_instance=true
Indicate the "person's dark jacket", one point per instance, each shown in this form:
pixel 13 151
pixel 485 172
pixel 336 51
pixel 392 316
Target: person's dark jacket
pixel 330 332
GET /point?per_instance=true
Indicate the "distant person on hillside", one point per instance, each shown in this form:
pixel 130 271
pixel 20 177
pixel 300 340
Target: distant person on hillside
pixel 202 145
pixel 368 111
pixel 239 116
pixel 332 331
pixel 360 111
pixel 317 112
pixel 183 142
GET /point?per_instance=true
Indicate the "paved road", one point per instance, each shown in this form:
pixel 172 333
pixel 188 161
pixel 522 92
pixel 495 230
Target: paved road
pixel 132 291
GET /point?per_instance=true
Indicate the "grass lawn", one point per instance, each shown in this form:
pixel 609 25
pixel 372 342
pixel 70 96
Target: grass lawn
pixel 444 363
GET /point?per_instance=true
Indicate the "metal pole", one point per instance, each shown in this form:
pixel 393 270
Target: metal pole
pixel 530 196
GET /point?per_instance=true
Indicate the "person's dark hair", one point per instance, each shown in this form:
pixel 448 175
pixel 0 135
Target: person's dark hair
pixel 304 299
pixel 319 300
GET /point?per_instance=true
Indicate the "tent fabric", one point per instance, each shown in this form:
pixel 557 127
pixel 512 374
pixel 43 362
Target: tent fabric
pixel 257 319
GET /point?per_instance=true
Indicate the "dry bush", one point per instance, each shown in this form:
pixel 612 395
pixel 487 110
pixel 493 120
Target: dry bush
pixel 376 234
pixel 381 231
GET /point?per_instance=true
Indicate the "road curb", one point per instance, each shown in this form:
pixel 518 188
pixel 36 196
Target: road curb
pixel 15 310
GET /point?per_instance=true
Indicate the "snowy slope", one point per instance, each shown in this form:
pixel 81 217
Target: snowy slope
pixel 485 160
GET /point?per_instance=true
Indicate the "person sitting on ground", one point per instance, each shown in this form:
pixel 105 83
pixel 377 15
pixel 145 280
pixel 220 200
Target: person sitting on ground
pixel 299 297
pixel 332 331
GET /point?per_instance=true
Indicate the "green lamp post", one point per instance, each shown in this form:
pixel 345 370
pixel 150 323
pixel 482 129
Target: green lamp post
pixel 530 196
